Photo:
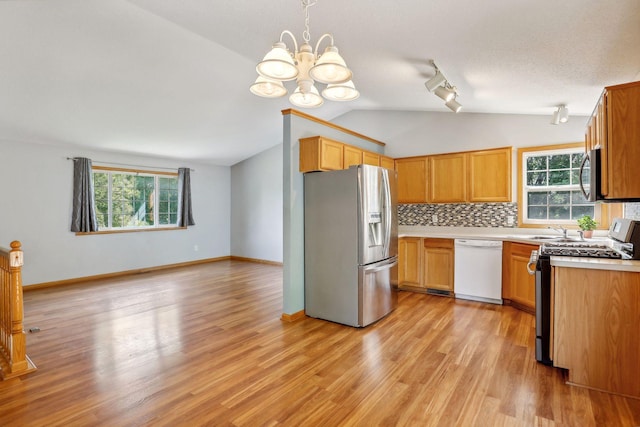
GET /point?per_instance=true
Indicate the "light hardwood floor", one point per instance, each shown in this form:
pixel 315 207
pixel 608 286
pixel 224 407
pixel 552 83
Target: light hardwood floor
pixel 204 345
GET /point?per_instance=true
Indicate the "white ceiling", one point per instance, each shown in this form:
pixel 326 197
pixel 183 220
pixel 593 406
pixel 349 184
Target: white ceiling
pixel 170 78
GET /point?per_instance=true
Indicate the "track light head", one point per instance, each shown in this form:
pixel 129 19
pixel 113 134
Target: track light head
pixel 453 105
pixel 435 81
pixel 447 94
pixel 561 115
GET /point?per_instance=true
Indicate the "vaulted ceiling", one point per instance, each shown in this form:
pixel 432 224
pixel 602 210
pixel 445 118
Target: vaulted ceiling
pixel 171 77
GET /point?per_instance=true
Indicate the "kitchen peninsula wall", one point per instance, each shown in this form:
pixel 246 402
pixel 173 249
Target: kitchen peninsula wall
pixel 459 214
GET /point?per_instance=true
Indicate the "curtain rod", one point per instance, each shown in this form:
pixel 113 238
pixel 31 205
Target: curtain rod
pixel 132 166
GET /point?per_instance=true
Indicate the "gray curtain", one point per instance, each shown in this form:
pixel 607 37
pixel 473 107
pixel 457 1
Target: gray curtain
pixel 83 216
pixel 185 216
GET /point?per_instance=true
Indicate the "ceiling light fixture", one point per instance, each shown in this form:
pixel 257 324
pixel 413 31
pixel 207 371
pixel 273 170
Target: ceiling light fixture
pixel 307 67
pixel 561 115
pixel 439 85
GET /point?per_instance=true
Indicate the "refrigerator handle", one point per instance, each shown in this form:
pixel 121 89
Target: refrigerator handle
pixel 387 212
pixel 379 266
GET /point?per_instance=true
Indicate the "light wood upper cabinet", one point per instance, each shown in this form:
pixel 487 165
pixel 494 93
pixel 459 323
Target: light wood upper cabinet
pixel 387 162
pixel 369 158
pixel 352 156
pixel 412 180
pixel 320 154
pixel 489 177
pixel 438 267
pixel 447 178
pixel 617 124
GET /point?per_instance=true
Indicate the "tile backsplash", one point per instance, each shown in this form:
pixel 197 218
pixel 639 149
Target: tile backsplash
pixel 459 214
pixel 632 211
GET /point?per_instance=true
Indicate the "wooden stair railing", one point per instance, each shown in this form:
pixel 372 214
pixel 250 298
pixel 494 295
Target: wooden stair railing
pixel 13 342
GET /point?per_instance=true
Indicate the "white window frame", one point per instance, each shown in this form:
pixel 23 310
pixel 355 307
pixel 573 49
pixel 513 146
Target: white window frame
pixel 156 212
pixel 526 189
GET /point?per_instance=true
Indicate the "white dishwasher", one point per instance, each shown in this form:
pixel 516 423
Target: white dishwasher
pixel 478 270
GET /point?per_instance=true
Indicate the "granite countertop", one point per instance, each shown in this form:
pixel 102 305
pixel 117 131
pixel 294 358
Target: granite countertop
pixel 526 235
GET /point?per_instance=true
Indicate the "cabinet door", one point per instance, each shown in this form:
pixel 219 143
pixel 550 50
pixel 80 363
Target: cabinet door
pixel 409 261
pixel 387 162
pixel 518 285
pixel 490 175
pixel 352 156
pixel 448 183
pixel 412 180
pixel 369 158
pixel 622 154
pixel 438 265
pixel 320 154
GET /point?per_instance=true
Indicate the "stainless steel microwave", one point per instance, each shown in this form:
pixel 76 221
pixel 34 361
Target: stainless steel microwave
pixel 590 177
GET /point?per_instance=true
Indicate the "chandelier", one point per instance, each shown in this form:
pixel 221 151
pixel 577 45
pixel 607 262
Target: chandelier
pixel 306 67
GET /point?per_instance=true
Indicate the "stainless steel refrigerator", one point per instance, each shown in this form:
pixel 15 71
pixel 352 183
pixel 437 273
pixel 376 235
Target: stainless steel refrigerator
pixel 351 244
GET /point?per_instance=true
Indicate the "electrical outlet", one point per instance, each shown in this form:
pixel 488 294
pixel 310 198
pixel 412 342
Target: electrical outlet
pixel 195 248
pixel 434 219
pixel 510 220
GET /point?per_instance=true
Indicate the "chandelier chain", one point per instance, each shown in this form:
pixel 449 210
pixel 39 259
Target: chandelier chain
pixel 306 34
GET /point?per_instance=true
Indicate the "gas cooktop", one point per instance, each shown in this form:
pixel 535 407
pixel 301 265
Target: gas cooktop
pixel 579 250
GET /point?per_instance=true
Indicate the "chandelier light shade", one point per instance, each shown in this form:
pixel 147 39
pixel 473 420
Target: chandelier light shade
pixel 307 67
pixel 278 64
pixel 341 92
pixel 268 88
pixel 439 85
pixel 307 98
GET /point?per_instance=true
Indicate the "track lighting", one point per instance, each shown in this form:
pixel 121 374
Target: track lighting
pixel 439 85
pixel 561 115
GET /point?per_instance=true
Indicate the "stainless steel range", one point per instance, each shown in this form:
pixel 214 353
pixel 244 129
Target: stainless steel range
pixel 624 244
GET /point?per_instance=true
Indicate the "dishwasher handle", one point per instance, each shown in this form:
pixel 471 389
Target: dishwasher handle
pixel 533 260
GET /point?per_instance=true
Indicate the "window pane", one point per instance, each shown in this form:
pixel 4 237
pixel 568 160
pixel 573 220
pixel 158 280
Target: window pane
pixel 576 159
pixel 537 178
pixel 580 211
pixel 559 212
pixel 577 198
pixel 559 197
pixel 537 212
pixel 537 163
pixel 560 161
pixel 538 198
pixel 559 177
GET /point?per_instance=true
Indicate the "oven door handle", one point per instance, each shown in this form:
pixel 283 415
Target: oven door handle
pixel 533 260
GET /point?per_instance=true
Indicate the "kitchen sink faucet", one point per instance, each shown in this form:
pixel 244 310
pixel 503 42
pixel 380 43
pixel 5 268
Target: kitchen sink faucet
pixel 560 229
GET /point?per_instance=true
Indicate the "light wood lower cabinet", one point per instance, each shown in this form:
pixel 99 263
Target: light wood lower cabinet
pixel 425 264
pixel 409 261
pixel 438 264
pixel 596 321
pixel 518 286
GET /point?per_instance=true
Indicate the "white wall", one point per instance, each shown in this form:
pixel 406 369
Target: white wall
pixel 256 203
pixel 413 133
pixel 36 209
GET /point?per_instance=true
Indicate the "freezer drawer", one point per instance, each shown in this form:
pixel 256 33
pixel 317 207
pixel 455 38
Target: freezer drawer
pixel 377 294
